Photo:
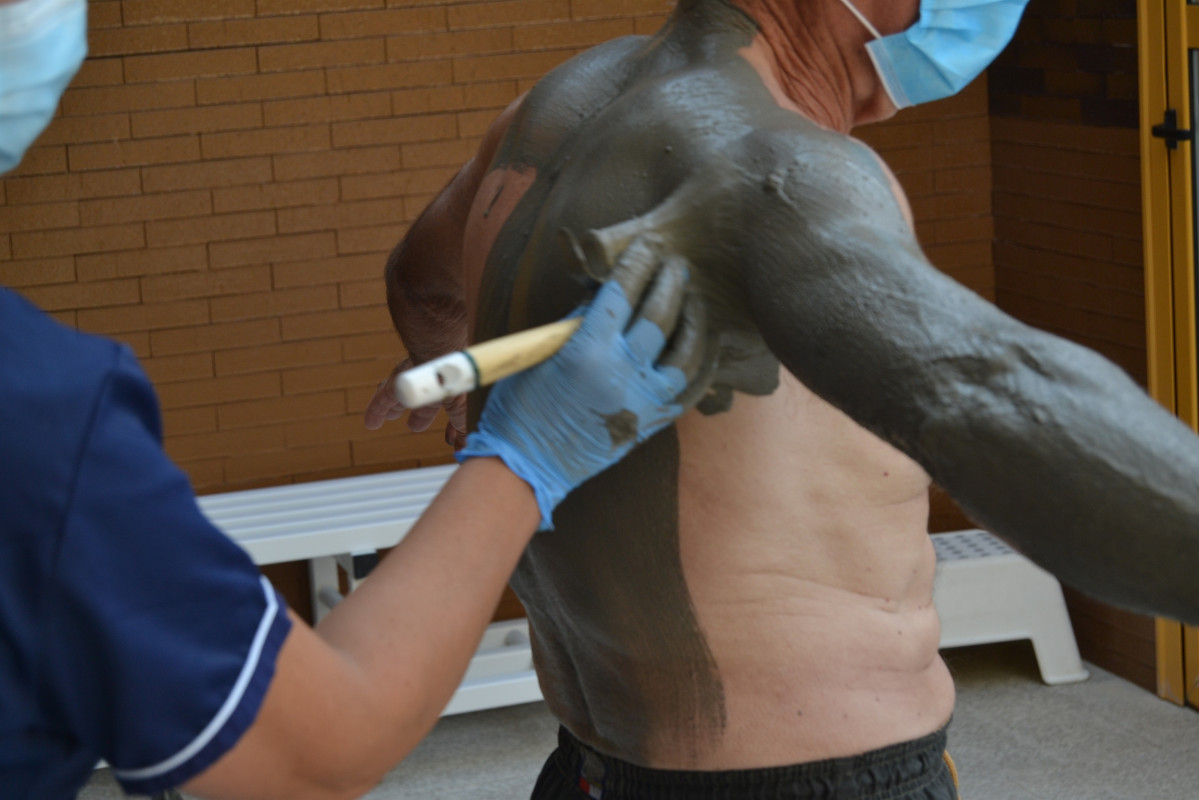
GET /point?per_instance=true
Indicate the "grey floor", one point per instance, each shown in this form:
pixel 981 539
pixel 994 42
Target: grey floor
pixel 1013 738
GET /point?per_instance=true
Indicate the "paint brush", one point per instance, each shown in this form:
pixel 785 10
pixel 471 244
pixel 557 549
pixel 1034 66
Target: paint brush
pixel 481 364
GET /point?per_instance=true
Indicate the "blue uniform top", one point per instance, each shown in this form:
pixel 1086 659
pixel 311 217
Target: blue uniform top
pixel 131 629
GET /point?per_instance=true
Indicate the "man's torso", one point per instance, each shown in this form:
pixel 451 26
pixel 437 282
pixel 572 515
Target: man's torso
pixel 753 587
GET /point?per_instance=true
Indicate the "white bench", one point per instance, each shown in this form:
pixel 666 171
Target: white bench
pixel 984 591
pixel 343 522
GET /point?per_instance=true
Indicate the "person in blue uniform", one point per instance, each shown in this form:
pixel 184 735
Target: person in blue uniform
pixel 132 630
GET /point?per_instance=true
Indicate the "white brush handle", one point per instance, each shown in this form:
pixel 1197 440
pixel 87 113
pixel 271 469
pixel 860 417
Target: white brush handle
pixel 482 364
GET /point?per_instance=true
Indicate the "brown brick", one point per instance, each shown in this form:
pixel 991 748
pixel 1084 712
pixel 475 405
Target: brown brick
pixel 335 323
pixel 362 293
pixel 229 32
pixel 42 161
pixel 109 211
pixel 339 162
pixel 103 14
pixel 464 16
pixel 209 174
pixel 103 266
pixel 97 128
pixel 210 91
pixel 220 443
pixel 43 216
pixel 410 445
pixel 390 21
pixel 128 41
pixel 134 153
pixel 309 352
pixel 84 295
pixel 65 318
pixel 182 421
pixel 274 304
pixel 382 347
pixel 951 206
pixel 266 141
pixel 145 12
pixel 346 428
pixel 50 188
pixel 378 239
pixel 319 191
pixel 960 154
pixel 337 376
pixel 281 409
pixel 912 134
pixel 979 228
pixel 206 475
pixel 110 99
pixel 240 116
pixel 99 72
pixel 72 241
pixel 138 341
pixel 211 336
pixel 583 9
pixel 5 247
pixel 210 229
pixel 473 124
pixel 425 128
pixel 326 109
pixel 363 212
pixel 438 154
pixel 557 35
pixel 327 270
pixel 950 256
pixel 395 184
pixel 272 249
pixel 390 76
pixel 449 43
pixel 468 69
pixel 963 179
pixel 145 317
pixel 291 461
pixel 321 54
pixel 646 26
pixel 454 98
pixel 171 369
pixel 37 271
pixel 209 283
pixel 269 7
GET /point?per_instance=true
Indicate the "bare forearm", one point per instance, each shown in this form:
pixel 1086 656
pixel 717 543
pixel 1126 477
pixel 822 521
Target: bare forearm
pixel 411 629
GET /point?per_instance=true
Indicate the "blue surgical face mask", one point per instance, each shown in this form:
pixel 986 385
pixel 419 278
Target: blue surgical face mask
pixel 42 44
pixel 948 47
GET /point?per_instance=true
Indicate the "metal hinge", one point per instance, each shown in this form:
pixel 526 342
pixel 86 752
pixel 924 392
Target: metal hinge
pixel 1170 131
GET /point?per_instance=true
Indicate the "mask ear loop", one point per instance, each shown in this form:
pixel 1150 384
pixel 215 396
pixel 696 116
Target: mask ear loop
pixel 862 19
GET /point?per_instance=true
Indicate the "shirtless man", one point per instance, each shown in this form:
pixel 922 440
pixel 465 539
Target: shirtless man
pixel 748 598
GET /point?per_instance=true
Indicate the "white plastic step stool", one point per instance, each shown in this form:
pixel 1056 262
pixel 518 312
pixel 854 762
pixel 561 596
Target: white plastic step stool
pixel 987 592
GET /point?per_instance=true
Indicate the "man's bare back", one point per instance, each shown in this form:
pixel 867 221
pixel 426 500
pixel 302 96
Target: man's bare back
pixel 753 587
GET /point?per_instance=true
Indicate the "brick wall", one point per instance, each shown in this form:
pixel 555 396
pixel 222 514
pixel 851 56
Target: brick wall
pixel 224 180
pixel 1068 237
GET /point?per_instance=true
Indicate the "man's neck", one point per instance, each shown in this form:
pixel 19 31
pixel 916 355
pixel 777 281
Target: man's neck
pixel 814 54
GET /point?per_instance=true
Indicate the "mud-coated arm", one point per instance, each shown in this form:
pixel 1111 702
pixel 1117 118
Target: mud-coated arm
pixel 425 291
pixel 1042 441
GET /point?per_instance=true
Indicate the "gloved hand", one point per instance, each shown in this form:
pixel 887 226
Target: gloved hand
pixel 616 382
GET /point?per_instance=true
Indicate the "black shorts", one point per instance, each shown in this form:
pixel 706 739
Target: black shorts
pixel 917 770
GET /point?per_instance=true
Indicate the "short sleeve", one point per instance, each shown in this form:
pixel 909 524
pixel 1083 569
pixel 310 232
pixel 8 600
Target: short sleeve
pixel 163 635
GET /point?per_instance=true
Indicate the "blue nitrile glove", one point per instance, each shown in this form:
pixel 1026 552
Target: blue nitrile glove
pixel 610 387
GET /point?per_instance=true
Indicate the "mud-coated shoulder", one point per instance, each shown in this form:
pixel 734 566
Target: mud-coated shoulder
pixel 561 100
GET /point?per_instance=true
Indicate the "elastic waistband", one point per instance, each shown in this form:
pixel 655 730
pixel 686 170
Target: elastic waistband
pixel 889 772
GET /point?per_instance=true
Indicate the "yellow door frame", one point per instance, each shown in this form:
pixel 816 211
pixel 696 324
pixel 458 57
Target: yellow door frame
pixel 1168 30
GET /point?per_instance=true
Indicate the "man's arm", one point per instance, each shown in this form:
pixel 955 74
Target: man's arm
pixel 1042 441
pixel 425 292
